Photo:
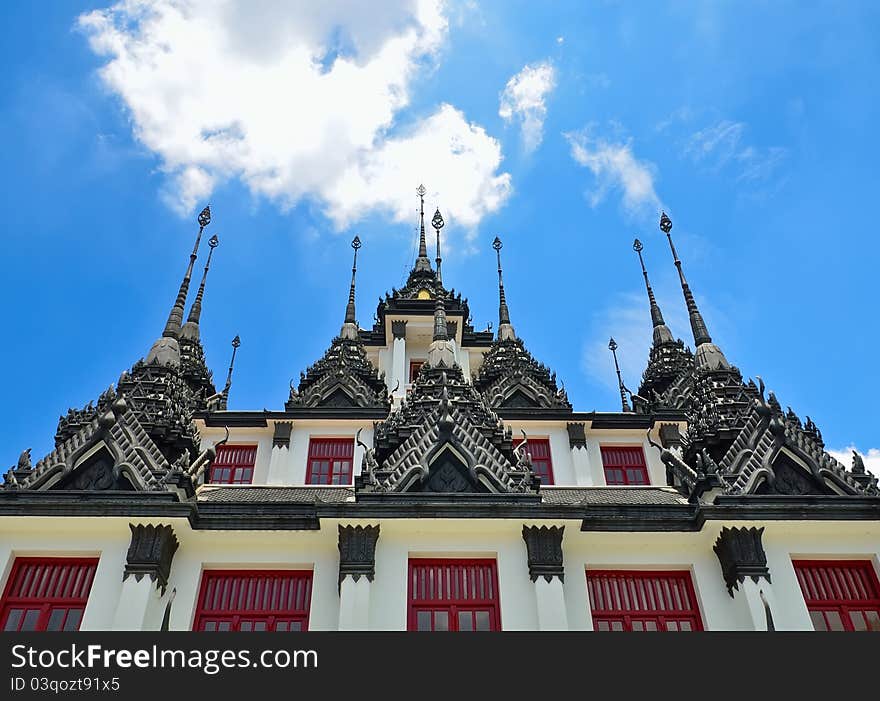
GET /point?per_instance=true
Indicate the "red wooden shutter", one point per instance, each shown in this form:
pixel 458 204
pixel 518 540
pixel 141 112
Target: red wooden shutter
pixel 642 601
pixel 330 461
pixel 47 593
pixel 234 464
pixel 542 463
pixel 840 594
pixel 246 600
pixel 624 465
pixel 456 595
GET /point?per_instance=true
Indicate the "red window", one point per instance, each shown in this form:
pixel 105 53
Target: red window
pixel 414 367
pixel 47 593
pixel 453 595
pixel 539 449
pixel 624 465
pixel 244 600
pixel 234 464
pixel 642 601
pixel 840 594
pixel 330 461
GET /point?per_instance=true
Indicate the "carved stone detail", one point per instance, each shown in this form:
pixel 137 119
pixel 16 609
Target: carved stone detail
pixel 451 328
pixel 398 329
pixel 577 435
pixel 281 437
pixel 357 552
pixel 150 553
pixel 670 436
pixel 544 545
pixel 741 555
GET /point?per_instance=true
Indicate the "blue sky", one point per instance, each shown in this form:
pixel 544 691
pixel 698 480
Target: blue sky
pixel 561 127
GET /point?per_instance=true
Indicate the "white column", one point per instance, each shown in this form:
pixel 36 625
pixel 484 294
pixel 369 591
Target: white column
pixel 749 593
pixel 551 604
pixel 398 367
pixel 141 605
pixel 580 462
pixel 278 460
pixel 354 603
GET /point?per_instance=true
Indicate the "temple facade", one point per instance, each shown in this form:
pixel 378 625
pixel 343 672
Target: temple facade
pixel 426 475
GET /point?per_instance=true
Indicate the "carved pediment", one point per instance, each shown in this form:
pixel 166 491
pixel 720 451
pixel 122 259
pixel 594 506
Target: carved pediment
pixel 95 473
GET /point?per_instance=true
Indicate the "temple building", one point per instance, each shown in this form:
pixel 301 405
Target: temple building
pixel 427 475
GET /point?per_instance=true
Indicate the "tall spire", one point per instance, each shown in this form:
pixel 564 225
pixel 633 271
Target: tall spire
pixel 708 355
pixel 422 262
pixel 505 328
pixel 190 329
pixel 236 342
pixel 612 346
pixel 166 349
pixel 438 223
pixel 349 327
pixel 662 334
pixel 175 318
pixel 441 352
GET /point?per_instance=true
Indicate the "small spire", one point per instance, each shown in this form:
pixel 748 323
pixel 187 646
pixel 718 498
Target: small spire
pixel 438 223
pixel 236 342
pixel 441 352
pixel 441 332
pixel 708 356
pixel 191 327
pixel 662 334
pixel 505 328
pixel 612 346
pixel 422 262
pixel 350 320
pixel 175 317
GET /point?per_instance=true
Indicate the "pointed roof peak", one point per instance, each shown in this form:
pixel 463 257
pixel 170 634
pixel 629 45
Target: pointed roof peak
pixel 422 261
pixel 349 326
pixel 190 329
pixel 505 328
pixel 662 334
pixel 612 346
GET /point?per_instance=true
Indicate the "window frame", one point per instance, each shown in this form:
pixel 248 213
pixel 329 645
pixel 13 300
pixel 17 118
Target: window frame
pixel 233 466
pixel 453 607
pixel 627 616
pixel 544 440
pixel 845 607
pixel 47 605
pixel 310 457
pixel 413 375
pixel 623 468
pixel 234 617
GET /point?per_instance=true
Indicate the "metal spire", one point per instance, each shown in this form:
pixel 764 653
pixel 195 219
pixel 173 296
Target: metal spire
pixel 236 342
pixel 698 326
pixel 441 332
pixel 662 334
pixel 191 327
pixel 505 329
pixel 438 223
pixel 422 262
pixel 349 309
pixel 175 317
pixel 612 346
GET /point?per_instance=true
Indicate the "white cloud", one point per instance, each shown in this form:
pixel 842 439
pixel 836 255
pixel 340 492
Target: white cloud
pixel 870 457
pixel 296 99
pixel 523 101
pixel 723 143
pixel 615 167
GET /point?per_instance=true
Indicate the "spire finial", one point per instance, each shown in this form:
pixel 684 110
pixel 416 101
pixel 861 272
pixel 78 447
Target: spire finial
pixel 175 318
pixel 349 309
pixel 698 326
pixel 612 346
pixel 422 262
pixel 438 223
pixel 662 334
pixel 195 311
pixel 504 326
pixel 236 342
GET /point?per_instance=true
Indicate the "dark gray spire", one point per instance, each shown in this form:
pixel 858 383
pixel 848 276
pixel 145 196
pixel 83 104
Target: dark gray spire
pixel 505 328
pixel 190 329
pixel 440 330
pixel 422 262
pixel 708 355
pixel 612 346
pixel 441 352
pixel 438 223
pixel 349 309
pixel 236 342
pixel 662 334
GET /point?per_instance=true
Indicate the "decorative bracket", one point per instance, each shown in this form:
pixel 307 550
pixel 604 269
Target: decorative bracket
pixel 577 436
pixel 281 437
pixel 741 555
pixel 398 329
pixel 357 552
pixel 150 553
pixel 544 545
